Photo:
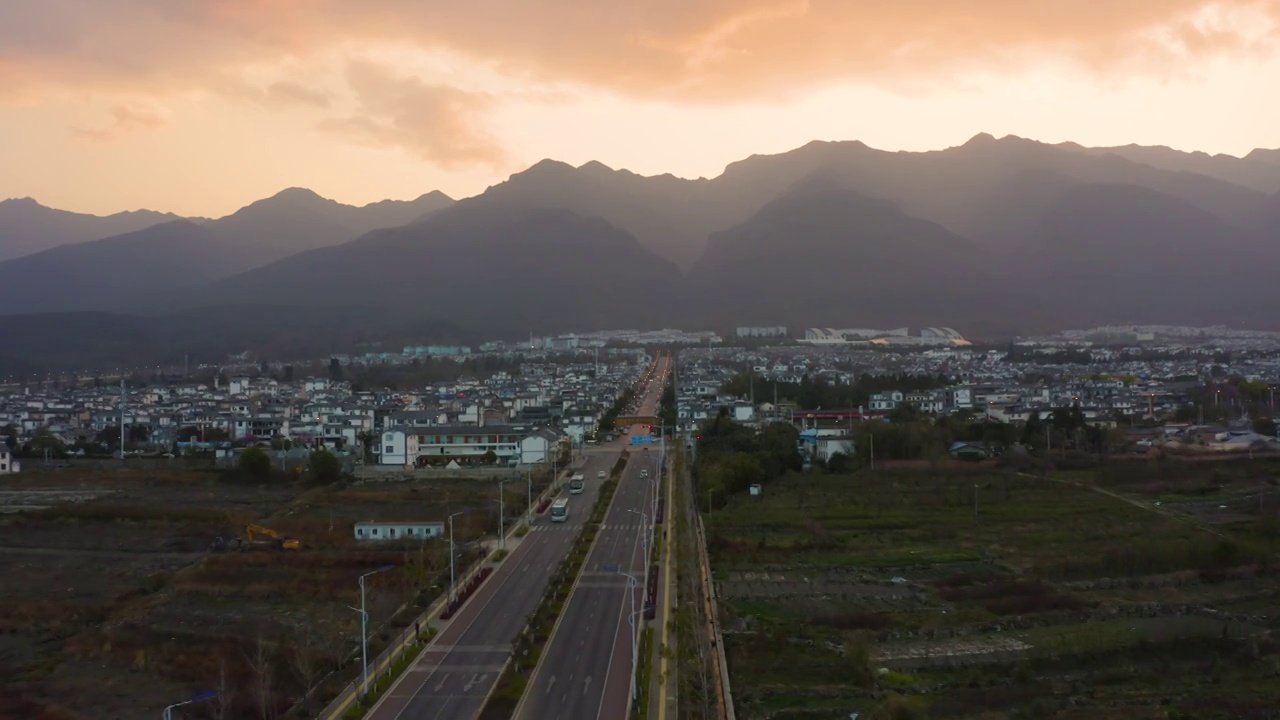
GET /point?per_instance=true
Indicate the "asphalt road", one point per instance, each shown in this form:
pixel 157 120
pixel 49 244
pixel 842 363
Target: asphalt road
pixel 585 672
pixel 452 678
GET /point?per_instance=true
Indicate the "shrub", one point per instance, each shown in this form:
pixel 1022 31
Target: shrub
pixel 255 464
pixel 324 466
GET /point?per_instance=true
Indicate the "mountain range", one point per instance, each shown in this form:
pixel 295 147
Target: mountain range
pixel 993 237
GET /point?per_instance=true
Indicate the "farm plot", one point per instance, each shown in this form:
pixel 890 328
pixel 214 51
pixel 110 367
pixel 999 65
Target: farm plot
pixel 998 593
pixel 113 604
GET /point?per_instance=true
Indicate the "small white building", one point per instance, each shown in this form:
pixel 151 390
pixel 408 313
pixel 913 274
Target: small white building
pixel 7 462
pixel 397 530
pixel 539 446
pixel 398 447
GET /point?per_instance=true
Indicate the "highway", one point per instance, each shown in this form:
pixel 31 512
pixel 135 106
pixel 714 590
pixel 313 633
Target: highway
pixel 585 671
pixel 452 677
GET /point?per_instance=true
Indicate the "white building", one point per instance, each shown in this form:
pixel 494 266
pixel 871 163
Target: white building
pixel 762 332
pixel 397 530
pixel 399 447
pixel 7 462
pixel 538 446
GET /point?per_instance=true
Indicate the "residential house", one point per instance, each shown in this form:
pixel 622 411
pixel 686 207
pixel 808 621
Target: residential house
pixel 8 464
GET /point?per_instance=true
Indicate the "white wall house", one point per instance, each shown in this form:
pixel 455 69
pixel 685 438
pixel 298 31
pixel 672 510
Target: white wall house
pixel 398 447
pixel 7 462
pixel 538 446
pixel 398 530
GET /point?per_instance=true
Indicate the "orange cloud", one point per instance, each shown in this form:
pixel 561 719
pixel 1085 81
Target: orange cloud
pixel 435 122
pixel 125 119
pixel 675 48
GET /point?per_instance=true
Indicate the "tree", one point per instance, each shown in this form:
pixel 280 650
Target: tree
pixel 335 370
pixel 1264 426
pixel 367 440
pixel 1033 430
pixel 325 467
pixel 840 463
pixel 225 699
pixel 490 457
pixel 255 464
pixel 304 651
pixel 261 663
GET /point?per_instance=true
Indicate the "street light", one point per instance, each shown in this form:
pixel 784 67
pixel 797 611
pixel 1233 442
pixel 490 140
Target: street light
pixel 635 637
pixel 364 629
pixel 168 711
pixel 452 556
pixel 644 533
pixel 502 535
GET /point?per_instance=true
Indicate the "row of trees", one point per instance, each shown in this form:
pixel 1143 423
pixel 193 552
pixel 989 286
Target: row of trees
pixel 323 467
pixel 731 457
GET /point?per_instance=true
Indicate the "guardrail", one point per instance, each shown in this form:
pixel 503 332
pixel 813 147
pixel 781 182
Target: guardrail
pixel 713 615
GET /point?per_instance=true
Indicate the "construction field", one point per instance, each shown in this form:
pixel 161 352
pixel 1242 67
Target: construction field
pixel 114 604
pixel 1144 590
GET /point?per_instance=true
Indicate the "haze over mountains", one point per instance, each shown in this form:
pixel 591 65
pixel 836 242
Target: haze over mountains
pixel 994 237
pixel 185 254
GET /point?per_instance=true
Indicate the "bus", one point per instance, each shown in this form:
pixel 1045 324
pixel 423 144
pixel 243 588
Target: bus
pixel 560 510
pixel 577 484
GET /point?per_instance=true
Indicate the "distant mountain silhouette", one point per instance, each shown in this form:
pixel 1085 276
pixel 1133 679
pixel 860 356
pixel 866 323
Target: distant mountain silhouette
pixel 665 212
pixel 1259 170
pixel 169 256
pixel 182 254
pixel 994 237
pixel 477 264
pixel 955 188
pixel 823 255
pixel 28 227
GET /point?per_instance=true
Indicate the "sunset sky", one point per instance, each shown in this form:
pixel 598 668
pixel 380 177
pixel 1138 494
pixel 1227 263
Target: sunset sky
pixel 201 106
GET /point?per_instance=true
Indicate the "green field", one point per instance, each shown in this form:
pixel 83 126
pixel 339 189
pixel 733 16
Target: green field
pixel 895 594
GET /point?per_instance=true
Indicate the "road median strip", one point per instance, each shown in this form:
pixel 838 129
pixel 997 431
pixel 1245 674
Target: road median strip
pixel 507 695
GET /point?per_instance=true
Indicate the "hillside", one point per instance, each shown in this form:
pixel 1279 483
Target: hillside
pixel 88 341
pixel 109 272
pixel 1125 254
pixel 28 227
pixel 825 255
pixel 169 256
pixel 480 266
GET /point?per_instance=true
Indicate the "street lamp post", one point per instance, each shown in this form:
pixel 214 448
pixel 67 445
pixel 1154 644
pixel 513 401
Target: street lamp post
pixel 168 711
pixel 528 510
pixel 452 556
pixel 635 636
pixel 502 534
pixel 644 533
pixel 364 630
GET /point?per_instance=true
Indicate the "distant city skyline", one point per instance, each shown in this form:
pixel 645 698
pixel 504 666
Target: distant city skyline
pixel 202 108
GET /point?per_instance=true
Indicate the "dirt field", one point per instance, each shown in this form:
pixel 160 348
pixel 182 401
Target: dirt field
pixel 113 604
pixel 977 593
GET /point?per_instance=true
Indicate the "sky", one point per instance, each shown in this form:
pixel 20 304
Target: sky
pixel 201 106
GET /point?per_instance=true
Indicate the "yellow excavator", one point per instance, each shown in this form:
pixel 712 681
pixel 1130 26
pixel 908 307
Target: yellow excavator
pixel 256 536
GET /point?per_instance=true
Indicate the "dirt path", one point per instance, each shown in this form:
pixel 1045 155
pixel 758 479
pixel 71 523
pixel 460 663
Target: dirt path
pixel 1164 512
